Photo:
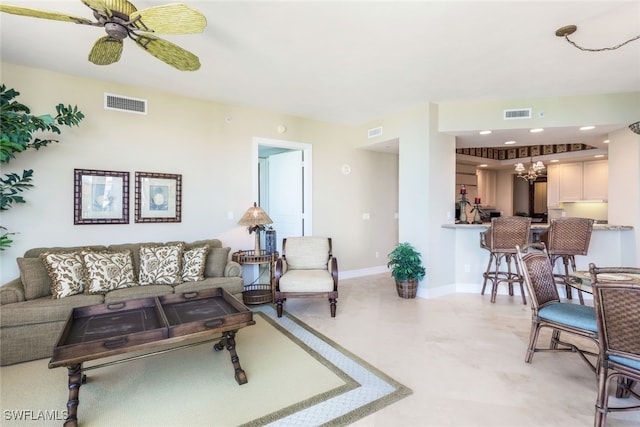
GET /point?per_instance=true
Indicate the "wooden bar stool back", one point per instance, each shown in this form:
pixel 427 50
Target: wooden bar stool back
pixel 501 239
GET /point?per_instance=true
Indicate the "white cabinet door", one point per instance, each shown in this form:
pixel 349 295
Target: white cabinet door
pixel 570 182
pixel 487 184
pixel 596 180
pixel 553 186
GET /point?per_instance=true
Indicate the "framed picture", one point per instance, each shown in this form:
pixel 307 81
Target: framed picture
pixel 100 197
pixel 158 197
pixel 547 149
pixel 511 153
pixel 535 150
pixel 523 152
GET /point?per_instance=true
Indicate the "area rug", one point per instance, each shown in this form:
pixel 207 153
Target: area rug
pixel 297 377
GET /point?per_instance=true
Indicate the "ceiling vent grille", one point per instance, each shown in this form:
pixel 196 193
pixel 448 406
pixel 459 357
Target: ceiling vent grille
pixel 521 113
pixel 372 133
pixel 124 103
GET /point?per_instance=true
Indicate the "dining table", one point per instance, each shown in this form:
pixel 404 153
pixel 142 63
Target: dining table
pixel 581 279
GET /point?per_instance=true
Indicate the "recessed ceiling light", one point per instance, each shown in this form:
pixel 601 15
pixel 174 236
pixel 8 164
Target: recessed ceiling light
pixel 536 130
pixel 485 132
pixel 606 141
pixel 554 161
pixel 599 155
pixel 509 142
pixel 484 165
pixel 587 127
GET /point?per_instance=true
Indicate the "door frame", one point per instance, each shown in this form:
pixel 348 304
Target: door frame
pixel 307 164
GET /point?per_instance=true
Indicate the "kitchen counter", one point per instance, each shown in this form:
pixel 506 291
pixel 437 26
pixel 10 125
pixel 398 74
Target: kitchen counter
pixel 539 226
pixel 610 246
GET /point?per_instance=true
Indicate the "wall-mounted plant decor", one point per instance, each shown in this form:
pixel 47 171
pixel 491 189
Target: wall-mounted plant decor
pixel 158 197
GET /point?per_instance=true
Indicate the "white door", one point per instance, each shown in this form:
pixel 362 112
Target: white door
pixel 286 194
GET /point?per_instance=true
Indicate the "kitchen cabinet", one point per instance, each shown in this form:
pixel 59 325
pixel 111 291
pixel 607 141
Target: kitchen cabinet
pixel 553 186
pixel 575 182
pixel 570 182
pixel 487 187
pixel 595 180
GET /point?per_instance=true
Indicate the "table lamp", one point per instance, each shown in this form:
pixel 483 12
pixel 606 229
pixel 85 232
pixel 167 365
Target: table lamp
pixel 255 218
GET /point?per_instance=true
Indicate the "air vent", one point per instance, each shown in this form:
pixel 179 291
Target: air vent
pixel 372 133
pixel 124 103
pixel 521 113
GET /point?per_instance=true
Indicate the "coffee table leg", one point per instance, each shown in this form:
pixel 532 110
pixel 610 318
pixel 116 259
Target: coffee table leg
pixel 228 340
pixel 76 378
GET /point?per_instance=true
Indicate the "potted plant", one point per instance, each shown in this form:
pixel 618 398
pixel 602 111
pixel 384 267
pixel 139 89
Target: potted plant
pixel 407 269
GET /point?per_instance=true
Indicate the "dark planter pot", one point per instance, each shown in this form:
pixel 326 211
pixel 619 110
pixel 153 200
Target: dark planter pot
pixel 407 288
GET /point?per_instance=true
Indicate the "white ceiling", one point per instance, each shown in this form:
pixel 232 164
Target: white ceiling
pixel 356 61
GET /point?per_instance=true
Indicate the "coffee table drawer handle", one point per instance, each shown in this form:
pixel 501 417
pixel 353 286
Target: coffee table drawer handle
pixel 116 306
pixel 214 323
pixel 190 295
pixel 115 343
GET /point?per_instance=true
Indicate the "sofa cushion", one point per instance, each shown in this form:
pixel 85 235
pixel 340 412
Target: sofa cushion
pixel 233 285
pixel 216 262
pixel 135 252
pixel 161 265
pixel 66 270
pixel 193 263
pixel 135 292
pixel 34 277
pixel 44 310
pixel 108 270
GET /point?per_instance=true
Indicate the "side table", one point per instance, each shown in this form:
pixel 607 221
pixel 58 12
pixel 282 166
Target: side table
pixel 257 293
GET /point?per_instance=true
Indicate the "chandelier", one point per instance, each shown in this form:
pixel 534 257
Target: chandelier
pixel 535 170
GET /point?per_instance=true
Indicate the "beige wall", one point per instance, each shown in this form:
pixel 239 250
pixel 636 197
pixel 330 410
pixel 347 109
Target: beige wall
pixel 191 137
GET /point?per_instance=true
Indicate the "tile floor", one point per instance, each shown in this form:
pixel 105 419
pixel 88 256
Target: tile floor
pixel 462 356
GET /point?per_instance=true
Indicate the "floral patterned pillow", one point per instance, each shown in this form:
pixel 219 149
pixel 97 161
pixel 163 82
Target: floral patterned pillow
pixel 193 263
pixel 66 270
pixel 107 271
pixel 161 265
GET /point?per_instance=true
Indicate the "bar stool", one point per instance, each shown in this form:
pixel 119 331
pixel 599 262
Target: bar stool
pixel 500 240
pixel 565 238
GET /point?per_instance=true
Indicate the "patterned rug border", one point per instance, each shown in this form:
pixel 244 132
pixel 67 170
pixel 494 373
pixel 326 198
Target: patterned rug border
pixel 399 390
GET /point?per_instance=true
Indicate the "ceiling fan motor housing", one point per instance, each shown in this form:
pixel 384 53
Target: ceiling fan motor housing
pixel 116 30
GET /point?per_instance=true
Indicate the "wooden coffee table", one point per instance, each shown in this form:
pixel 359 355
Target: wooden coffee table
pixel 150 326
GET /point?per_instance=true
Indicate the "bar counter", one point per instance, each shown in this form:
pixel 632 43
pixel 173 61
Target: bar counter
pixel 609 246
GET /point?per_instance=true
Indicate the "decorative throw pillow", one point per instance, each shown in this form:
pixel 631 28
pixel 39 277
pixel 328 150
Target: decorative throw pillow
pixel 107 271
pixel 216 262
pixel 161 265
pixel 193 263
pixel 66 270
pixel 34 277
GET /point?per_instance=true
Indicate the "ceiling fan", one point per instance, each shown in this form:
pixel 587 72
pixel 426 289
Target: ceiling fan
pixel 121 19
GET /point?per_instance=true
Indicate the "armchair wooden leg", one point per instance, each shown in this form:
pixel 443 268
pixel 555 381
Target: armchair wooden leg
pixel 332 304
pixel 279 307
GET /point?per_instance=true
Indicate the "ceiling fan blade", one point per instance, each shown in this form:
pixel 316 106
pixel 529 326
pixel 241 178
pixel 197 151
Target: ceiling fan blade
pixel 105 51
pixel 107 7
pixel 175 18
pixel 36 13
pixel 168 52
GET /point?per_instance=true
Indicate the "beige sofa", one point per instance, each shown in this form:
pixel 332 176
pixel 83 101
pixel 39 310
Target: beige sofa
pixel 31 317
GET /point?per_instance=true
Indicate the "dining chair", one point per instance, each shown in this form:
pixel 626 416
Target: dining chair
pixel 500 239
pixel 616 298
pixel 307 268
pixel 565 238
pixel 547 311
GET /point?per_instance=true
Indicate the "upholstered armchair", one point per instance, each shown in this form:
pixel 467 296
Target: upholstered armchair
pixel 306 268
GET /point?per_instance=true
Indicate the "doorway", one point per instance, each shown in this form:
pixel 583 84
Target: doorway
pixel 282 185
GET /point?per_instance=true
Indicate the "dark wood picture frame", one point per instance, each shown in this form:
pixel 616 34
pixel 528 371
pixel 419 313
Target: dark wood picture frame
pixel 158 197
pixel 100 197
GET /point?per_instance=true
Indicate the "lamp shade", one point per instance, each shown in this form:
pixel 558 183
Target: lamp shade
pixel 255 217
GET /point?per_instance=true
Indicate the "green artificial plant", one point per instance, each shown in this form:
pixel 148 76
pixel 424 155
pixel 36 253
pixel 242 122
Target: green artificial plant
pixel 406 263
pixel 17 128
